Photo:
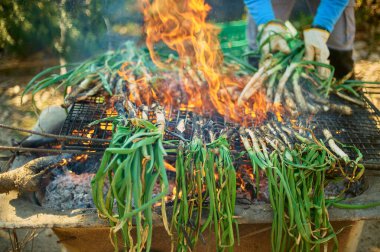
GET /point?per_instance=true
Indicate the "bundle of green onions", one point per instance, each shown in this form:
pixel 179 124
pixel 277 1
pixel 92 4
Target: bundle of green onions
pixel 296 171
pixel 93 76
pixel 205 173
pixel 132 165
pixel 294 83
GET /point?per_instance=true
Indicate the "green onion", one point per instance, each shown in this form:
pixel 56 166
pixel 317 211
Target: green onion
pixel 205 174
pixel 132 165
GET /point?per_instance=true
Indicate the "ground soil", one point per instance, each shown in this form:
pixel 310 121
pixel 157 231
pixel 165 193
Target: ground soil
pixel 14 74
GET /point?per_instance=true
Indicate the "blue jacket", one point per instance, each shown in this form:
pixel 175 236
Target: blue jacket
pixel 327 15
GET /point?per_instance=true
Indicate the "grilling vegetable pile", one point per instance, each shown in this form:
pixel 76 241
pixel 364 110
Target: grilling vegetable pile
pixel 296 164
pixel 288 80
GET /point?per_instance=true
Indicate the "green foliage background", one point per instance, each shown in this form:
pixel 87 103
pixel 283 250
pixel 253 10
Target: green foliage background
pixel 368 21
pixel 71 28
pixel 27 24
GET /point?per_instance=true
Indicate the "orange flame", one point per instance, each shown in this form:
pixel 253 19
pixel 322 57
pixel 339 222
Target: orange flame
pixel 81 158
pixel 182 26
pixel 169 167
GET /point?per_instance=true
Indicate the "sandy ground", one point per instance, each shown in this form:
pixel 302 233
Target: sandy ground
pixel 13 77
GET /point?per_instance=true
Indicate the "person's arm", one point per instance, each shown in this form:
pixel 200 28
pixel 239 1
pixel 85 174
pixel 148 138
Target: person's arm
pixel 260 10
pixel 315 38
pixel 328 13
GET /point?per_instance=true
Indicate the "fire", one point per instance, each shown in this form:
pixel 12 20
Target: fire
pixel 139 88
pixel 244 175
pixel 169 167
pixel 203 82
pixel 85 132
pixel 64 162
pixel 107 125
pixel 81 158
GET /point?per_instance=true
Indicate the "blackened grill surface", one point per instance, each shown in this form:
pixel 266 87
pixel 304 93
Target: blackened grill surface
pixel 362 129
pixel 80 115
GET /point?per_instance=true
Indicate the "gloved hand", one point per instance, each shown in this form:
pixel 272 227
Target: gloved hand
pixel 276 42
pixel 316 49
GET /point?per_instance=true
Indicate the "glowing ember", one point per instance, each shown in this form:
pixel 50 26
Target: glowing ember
pixel 81 158
pixel 64 162
pixel 169 167
pixel 106 125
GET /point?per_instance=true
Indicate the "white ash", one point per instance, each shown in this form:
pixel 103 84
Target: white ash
pixel 68 191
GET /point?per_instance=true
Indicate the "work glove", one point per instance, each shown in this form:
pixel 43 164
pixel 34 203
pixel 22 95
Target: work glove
pixel 275 32
pixel 316 49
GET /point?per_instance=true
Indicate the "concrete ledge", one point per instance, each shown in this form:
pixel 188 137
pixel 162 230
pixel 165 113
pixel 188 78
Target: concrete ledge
pixel 19 213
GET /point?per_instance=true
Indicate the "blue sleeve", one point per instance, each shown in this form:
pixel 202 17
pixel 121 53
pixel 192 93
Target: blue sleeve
pixel 328 13
pixel 260 10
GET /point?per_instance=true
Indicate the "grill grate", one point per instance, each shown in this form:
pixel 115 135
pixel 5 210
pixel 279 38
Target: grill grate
pixel 362 129
pixel 77 123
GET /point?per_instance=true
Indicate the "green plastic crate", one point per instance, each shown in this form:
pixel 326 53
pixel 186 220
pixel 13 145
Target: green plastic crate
pixel 233 37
